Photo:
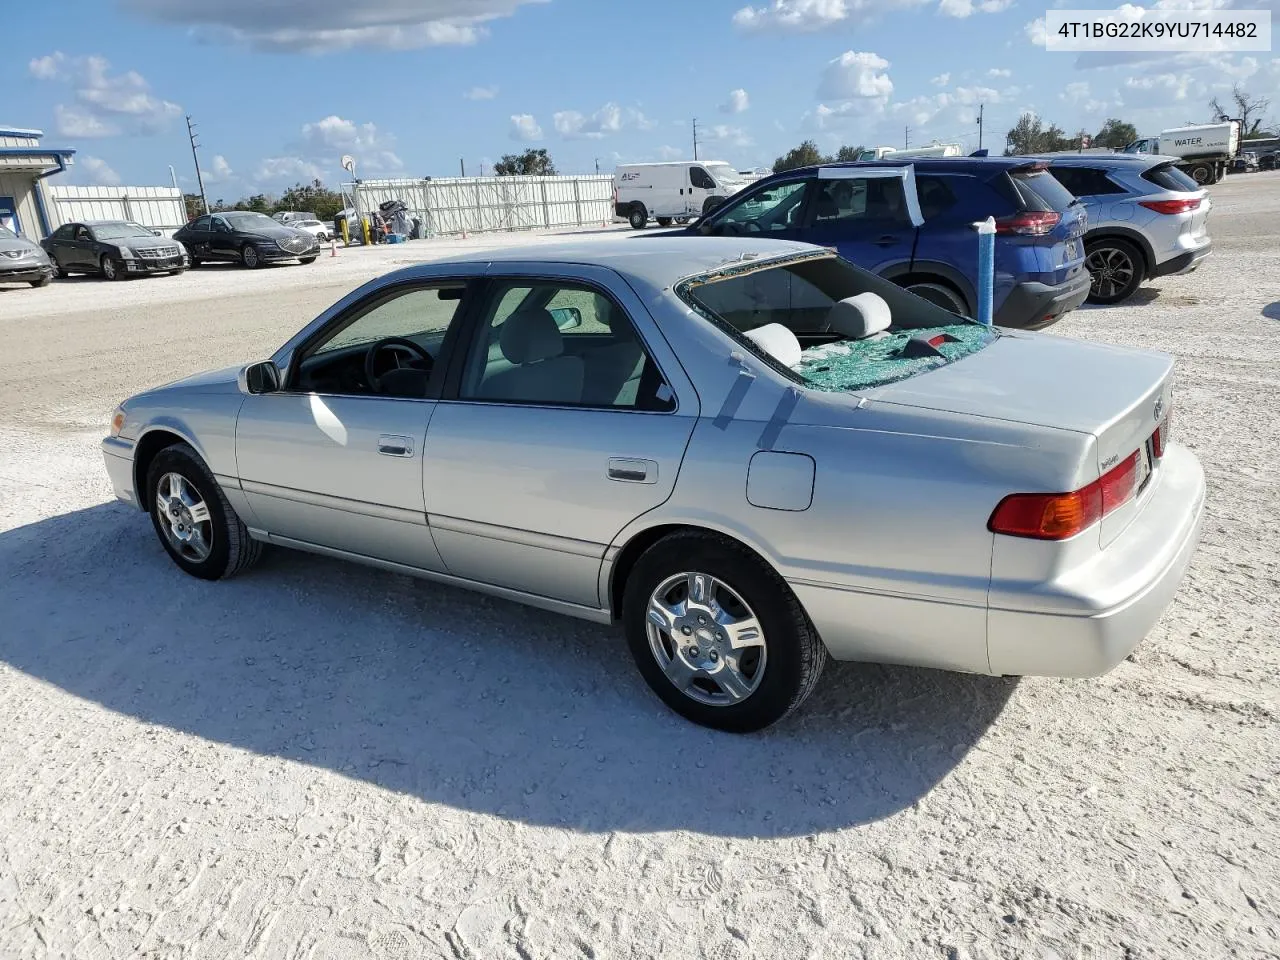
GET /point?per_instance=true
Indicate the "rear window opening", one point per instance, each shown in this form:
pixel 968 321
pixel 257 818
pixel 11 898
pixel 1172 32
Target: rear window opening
pixel 799 309
pixel 1168 177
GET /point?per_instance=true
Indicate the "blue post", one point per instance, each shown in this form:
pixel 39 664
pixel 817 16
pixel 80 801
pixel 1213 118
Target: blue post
pixel 986 268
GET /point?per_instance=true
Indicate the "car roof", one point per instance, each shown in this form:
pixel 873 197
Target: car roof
pixel 1143 160
pixel 933 164
pixel 655 260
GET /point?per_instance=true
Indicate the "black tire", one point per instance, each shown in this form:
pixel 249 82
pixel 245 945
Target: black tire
pixel 1116 267
pixel 177 273
pixel 795 652
pixel 711 203
pixel 42 282
pixel 249 256
pixel 638 217
pixel 307 260
pixel 1202 173
pixel 940 294
pixel 112 270
pixel 664 221
pixel 196 262
pixel 232 549
pixel 58 270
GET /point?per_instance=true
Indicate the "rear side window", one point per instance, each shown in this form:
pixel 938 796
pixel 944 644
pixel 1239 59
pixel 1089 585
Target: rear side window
pixel 936 196
pixel 1038 191
pixel 1086 181
pixel 1168 177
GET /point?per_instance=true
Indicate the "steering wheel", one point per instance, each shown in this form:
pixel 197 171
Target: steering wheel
pixel 399 345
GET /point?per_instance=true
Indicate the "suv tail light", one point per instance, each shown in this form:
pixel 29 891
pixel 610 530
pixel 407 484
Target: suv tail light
pixel 1031 223
pixel 1171 206
pixel 1059 516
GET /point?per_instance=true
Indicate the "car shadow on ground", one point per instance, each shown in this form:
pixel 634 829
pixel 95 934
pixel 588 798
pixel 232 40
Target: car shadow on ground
pixel 457 698
pixel 1272 311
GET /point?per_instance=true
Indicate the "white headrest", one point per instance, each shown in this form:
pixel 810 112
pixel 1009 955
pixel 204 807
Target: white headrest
pixel 860 317
pixel 778 342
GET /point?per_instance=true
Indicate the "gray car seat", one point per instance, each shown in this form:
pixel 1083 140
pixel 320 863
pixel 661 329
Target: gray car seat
pixel 540 372
pixel 614 369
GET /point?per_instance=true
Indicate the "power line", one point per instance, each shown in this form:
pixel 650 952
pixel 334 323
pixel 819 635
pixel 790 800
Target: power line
pixel 191 135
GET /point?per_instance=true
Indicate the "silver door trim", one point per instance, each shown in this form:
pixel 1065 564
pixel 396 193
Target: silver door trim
pixel 593 614
pixel 357 507
pixel 525 538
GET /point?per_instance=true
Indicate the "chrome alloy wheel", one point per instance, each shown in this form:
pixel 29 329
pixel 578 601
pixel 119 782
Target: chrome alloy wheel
pixel 706 639
pixel 184 517
pixel 1112 270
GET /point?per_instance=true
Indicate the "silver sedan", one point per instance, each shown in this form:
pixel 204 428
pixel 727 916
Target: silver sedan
pixel 751 453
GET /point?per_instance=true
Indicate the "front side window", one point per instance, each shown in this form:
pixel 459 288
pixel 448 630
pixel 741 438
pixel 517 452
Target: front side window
pixel 220 225
pixel 769 209
pixel 860 199
pixel 387 345
pixel 200 223
pixel 701 179
pixel 557 343
pixel 83 235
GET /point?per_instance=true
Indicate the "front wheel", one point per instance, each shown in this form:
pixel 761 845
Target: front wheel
pixel 1116 268
pixel 250 257
pixel 196 524
pixel 177 273
pixel 110 269
pixel 718 635
pixel 59 270
pixel 42 282
pixel 638 218
pixel 307 260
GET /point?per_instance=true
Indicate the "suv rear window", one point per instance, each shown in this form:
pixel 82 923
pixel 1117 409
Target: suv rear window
pixel 1086 181
pixel 1168 177
pixel 1038 191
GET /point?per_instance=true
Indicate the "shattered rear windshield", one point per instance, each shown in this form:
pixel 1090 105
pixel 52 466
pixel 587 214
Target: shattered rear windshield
pixel 799 293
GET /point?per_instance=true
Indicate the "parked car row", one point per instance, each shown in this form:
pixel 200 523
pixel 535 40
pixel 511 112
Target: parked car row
pixel 120 249
pixel 1069 228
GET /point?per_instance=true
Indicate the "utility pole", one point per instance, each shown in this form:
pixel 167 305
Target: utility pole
pixel 463 167
pixel 597 166
pixel 191 135
pixel 695 138
pixel 906 139
pixel 981 108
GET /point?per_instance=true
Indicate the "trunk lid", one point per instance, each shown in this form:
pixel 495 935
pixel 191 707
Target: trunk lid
pixel 1116 394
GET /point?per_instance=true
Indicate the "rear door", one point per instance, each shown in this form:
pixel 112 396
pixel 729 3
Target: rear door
pixel 82 250
pixel 870 215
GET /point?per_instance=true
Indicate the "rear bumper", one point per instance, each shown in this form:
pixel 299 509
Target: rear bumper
pixel 1092 618
pixel 1032 305
pixel 1184 262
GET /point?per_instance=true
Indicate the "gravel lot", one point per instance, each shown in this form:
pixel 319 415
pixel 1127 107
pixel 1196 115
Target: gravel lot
pixel 322 761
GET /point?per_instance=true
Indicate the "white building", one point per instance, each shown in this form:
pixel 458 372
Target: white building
pixel 24 164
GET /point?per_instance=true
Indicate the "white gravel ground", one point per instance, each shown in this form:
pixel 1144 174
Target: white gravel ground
pixel 322 761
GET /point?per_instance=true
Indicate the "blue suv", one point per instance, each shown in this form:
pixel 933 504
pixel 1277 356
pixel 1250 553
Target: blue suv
pixel 911 221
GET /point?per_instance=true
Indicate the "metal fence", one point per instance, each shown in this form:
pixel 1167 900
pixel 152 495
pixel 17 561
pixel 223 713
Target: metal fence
pixel 487 204
pixel 160 208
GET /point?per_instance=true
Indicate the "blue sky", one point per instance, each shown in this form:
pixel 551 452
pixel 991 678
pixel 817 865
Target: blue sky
pixel 282 88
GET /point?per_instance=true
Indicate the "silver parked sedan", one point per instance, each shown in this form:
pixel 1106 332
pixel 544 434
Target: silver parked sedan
pixel 750 452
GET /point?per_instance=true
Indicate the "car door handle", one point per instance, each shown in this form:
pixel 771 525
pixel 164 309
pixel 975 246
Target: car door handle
pixel 393 446
pixel 626 470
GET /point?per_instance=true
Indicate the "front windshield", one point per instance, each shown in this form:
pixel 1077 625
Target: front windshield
pixel 724 173
pixel 249 221
pixel 120 231
pixel 7 234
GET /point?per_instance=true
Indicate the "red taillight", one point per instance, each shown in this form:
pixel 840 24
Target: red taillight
pixel 1059 516
pixel 1171 206
pixel 1032 223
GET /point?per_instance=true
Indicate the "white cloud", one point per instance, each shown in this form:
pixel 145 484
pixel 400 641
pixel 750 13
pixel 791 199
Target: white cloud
pixel 738 102
pixel 1157 88
pixel 723 133
pixel 290 169
pixel 1037 32
pixel 857 77
pixel 325 25
pixel 999 73
pixel 96 170
pixel 608 120
pixel 812 16
pixel 670 153
pixel 106 104
pixel 941 80
pixel 333 136
pixel 218 170
pixel 1075 93
pixel 481 93
pixel 524 127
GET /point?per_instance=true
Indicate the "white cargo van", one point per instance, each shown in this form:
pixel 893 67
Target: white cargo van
pixel 677 191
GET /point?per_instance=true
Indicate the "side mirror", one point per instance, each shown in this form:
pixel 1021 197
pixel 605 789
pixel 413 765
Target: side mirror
pixel 567 318
pixel 261 377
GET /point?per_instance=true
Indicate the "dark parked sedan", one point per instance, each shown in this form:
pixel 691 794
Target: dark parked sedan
pixel 251 239
pixel 115 249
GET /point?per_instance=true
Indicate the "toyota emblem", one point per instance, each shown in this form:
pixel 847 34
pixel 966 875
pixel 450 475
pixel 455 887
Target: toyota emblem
pixel 1159 410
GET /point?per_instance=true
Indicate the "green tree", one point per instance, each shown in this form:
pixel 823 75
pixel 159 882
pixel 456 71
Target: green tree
pixel 1115 134
pixel 1030 135
pixel 805 155
pixel 845 154
pixel 312 197
pixel 195 206
pixel 531 163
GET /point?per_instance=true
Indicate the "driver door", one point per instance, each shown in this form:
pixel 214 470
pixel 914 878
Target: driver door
pixel 331 459
pixel 222 240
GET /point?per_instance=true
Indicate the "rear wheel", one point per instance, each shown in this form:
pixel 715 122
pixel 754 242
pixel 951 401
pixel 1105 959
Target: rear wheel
pixel 1202 173
pixel 1116 268
pixel 196 524
pixel 939 294
pixel 249 256
pixel 110 269
pixel 639 217
pixel 718 635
